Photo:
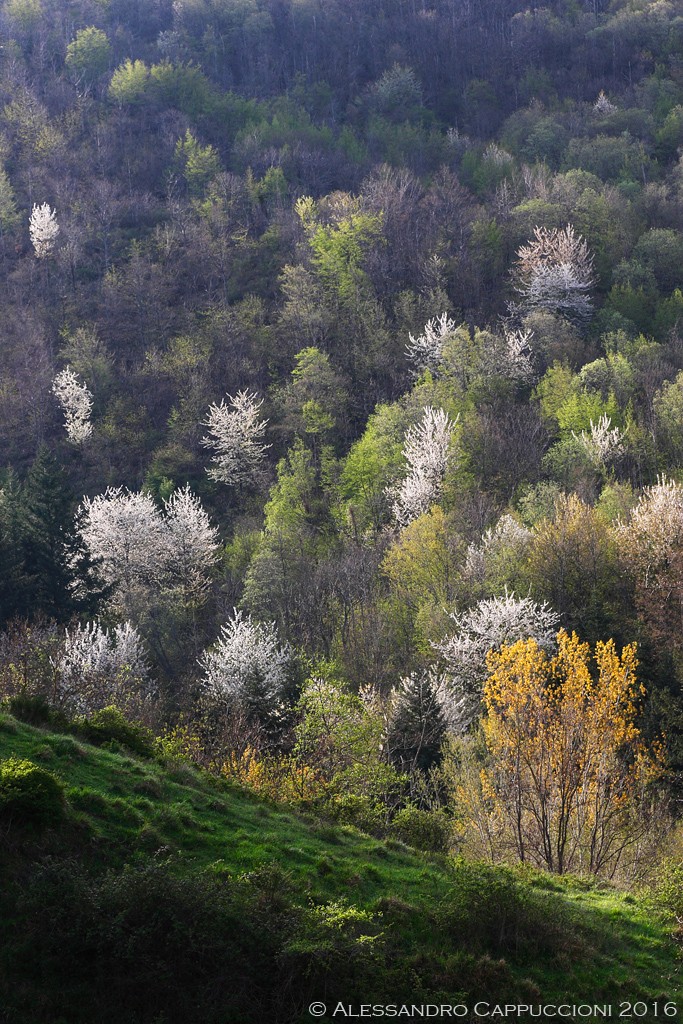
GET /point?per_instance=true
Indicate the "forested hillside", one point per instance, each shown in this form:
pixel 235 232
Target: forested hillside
pixel 341 403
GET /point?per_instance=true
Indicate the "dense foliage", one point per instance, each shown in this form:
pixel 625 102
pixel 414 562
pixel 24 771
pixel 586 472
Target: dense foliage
pixel 342 344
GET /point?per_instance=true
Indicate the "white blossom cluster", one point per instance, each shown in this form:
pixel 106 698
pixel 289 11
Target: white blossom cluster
pixel 76 402
pixel 140 546
pixel 43 229
pixel 497 156
pixel 97 667
pixel 554 271
pixel 236 436
pixel 655 528
pixel 605 443
pixel 519 363
pixel 560 288
pixel 603 105
pixel 191 541
pixel 508 355
pixel 424 352
pixel 427 450
pixel 247 665
pixel 486 627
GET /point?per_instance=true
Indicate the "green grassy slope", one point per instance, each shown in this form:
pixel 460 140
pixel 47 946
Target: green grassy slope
pixel 164 895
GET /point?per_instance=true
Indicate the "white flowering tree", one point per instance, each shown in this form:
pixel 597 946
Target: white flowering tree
pixel 124 531
pixel 603 105
pixel 247 668
pixel 191 542
pixel 76 402
pixel 43 229
pixel 651 547
pixel 655 529
pixel 235 434
pixel 518 363
pixel 427 450
pixel 604 443
pixel 484 628
pixel 424 352
pixel 142 550
pixel 98 667
pixel 554 271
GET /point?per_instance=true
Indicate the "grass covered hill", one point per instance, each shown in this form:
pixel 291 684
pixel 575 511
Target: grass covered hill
pixel 138 890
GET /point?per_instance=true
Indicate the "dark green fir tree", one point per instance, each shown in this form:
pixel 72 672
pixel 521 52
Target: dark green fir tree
pixel 63 579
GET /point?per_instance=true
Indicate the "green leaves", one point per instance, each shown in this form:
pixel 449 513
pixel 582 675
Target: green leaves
pixel 87 56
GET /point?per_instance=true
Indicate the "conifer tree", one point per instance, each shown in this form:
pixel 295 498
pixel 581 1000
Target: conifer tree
pixel 62 576
pixel 417 725
pixel 14 598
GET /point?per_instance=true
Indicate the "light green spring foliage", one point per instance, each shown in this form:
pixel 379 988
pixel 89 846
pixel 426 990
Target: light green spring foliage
pixel 298 530
pixel 87 56
pixel 198 164
pixel 129 82
pixel 341 736
pixel 314 399
pixel 375 460
pixel 339 247
pixel 565 401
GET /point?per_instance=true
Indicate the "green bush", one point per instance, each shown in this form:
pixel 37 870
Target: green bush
pixel 425 830
pixel 667 890
pixel 109 724
pixel 29 793
pixel 341 941
pixel 359 811
pixel 490 909
pixel 141 945
pixel 34 710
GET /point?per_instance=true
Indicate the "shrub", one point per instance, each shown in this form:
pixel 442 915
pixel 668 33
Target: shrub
pixel 141 944
pixel 425 830
pixel 34 710
pixel 488 909
pixel 336 940
pixel 109 724
pixel 179 743
pixel 667 890
pixel 360 811
pixel 29 793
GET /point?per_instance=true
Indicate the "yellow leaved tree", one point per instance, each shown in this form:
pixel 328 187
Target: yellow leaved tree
pixel 567 768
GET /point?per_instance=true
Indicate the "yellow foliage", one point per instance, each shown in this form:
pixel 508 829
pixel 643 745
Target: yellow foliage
pixel 279 778
pixel 567 763
pixel 180 743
